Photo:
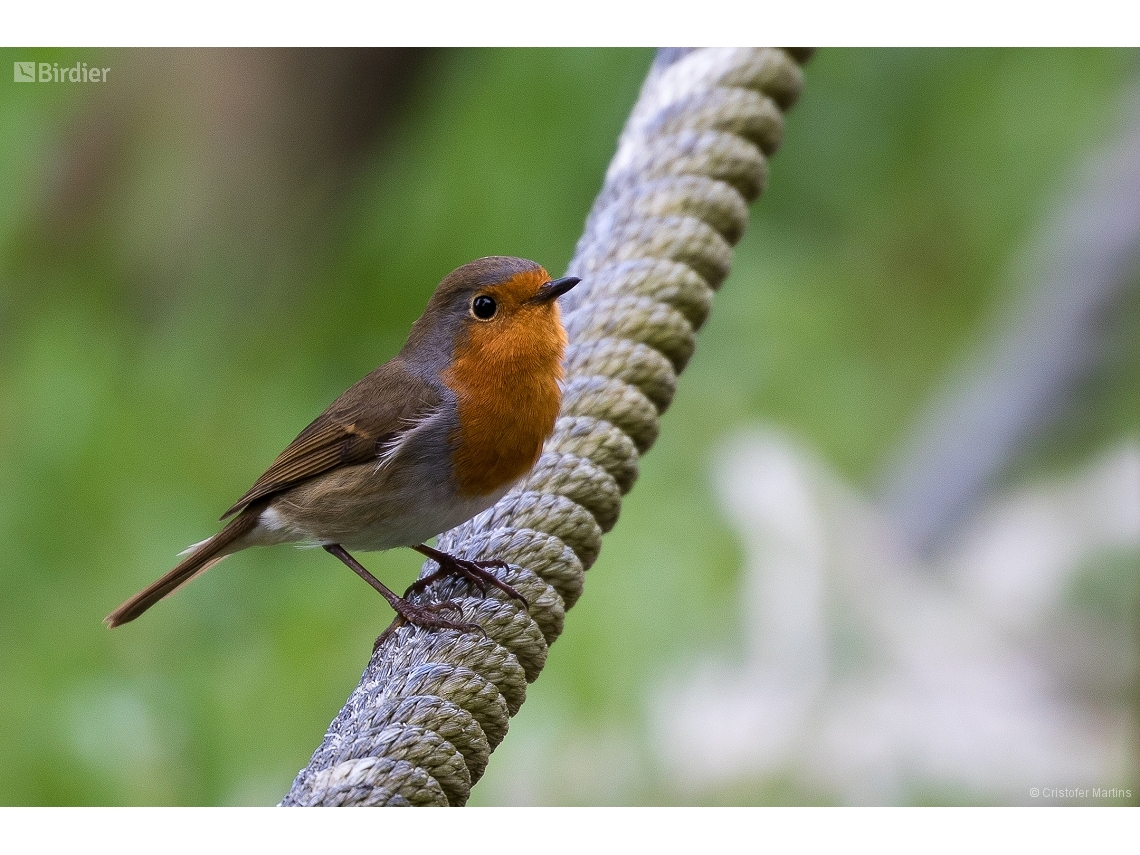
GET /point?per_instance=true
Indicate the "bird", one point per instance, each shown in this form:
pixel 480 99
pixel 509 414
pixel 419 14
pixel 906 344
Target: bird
pixel 420 445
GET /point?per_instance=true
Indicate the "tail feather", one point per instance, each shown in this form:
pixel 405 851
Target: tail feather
pixel 199 558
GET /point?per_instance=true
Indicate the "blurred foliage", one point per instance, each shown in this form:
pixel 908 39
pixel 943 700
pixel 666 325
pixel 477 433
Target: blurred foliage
pixel 180 293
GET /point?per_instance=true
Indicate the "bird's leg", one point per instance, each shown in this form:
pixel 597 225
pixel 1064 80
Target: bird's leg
pixel 474 571
pixel 425 616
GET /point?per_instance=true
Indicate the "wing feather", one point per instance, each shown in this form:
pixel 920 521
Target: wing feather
pixel 363 424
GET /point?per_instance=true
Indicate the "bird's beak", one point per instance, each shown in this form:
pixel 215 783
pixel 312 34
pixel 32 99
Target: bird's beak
pixel 554 290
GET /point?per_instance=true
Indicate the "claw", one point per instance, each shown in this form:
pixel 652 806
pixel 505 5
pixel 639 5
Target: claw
pixel 445 605
pixel 476 572
pixel 425 616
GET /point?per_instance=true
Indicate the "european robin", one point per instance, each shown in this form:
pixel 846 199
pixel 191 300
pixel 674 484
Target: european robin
pixel 422 444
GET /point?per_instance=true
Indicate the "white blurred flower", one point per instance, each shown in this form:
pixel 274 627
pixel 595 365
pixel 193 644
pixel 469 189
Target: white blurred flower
pixel 872 676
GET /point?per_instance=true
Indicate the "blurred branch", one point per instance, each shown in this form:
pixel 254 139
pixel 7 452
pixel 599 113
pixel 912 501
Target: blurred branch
pixel 1078 273
pixel 237 137
pixel 313 110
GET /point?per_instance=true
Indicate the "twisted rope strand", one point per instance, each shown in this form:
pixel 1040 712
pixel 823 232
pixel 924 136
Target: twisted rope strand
pixel 432 705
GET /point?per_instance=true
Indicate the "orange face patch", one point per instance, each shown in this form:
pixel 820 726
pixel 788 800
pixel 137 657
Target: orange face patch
pixel 505 373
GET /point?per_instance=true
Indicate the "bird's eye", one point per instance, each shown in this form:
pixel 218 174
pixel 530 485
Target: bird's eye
pixel 484 307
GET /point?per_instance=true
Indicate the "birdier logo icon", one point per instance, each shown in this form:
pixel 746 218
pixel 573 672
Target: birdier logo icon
pixel 53 72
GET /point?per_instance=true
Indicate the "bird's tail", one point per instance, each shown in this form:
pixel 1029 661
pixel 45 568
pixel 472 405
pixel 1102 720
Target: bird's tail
pixel 200 559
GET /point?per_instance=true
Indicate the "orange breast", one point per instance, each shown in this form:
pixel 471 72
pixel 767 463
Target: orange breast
pixel 506 379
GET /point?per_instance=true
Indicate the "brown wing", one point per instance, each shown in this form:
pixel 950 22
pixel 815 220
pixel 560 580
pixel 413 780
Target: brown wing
pixel 357 427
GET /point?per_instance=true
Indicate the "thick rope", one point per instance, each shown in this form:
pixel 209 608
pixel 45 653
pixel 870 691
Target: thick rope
pixel 432 705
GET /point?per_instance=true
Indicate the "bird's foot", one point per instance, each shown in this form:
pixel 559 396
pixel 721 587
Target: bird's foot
pixel 425 616
pixel 478 573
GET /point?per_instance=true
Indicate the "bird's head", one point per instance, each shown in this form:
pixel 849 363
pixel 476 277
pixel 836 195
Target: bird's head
pixel 497 310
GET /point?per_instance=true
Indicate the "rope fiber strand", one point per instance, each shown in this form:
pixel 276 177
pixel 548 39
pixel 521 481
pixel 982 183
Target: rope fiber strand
pixel 432 705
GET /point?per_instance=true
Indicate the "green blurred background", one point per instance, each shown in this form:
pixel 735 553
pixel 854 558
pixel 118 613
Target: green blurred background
pixel 200 254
